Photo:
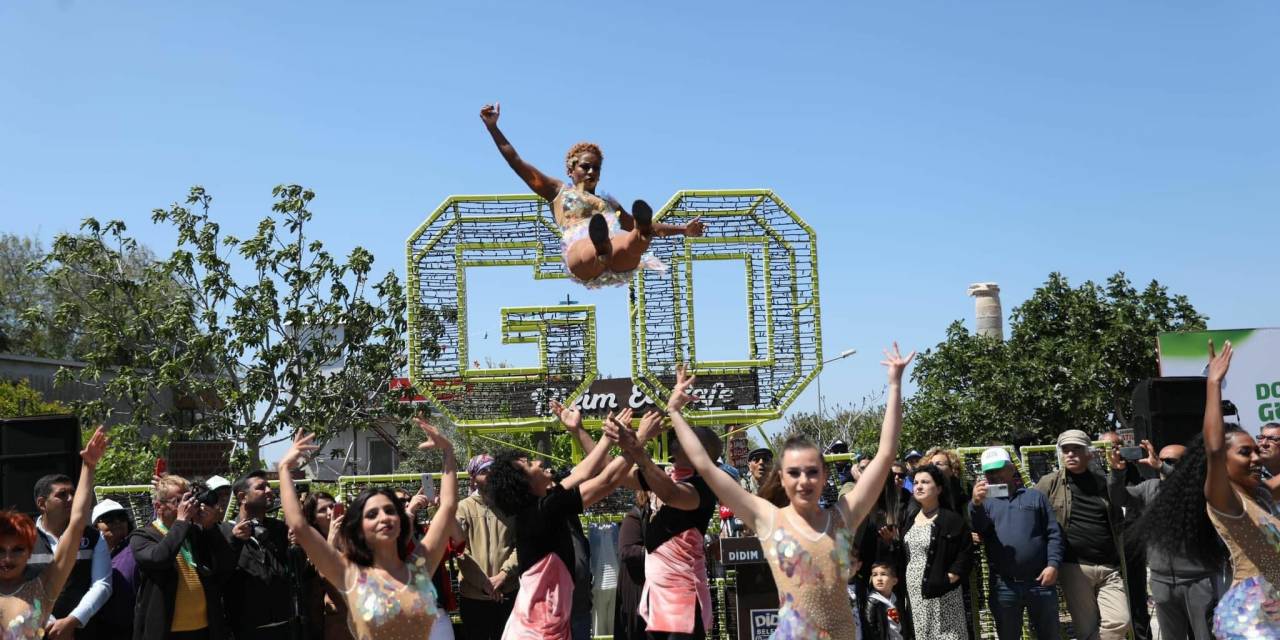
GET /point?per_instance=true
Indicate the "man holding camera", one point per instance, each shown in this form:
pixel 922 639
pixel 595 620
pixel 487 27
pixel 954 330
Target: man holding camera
pixel 181 559
pixel 259 595
pixel 1024 548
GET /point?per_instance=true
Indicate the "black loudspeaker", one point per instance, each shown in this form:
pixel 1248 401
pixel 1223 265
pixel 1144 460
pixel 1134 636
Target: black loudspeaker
pixel 31 448
pixel 1168 410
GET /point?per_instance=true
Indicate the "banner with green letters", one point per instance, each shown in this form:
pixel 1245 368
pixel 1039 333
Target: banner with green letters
pixel 1253 384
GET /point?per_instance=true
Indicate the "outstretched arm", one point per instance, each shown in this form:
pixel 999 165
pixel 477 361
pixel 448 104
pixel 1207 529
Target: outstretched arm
pixel 597 455
pixel 679 495
pixel 858 502
pixel 326 559
pixel 1217 485
pixel 751 509
pixel 64 558
pixel 541 183
pixel 443 523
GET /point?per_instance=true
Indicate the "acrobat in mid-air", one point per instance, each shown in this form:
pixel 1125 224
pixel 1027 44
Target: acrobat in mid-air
pixel 602 243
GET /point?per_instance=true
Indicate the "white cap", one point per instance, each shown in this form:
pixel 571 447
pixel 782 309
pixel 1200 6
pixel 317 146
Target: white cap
pixel 995 458
pixel 216 482
pixel 105 507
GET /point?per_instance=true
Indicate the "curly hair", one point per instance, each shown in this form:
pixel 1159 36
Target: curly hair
pixel 508 488
pixel 953 458
pixel 571 158
pixel 356 548
pixel 1176 522
pixel 20 525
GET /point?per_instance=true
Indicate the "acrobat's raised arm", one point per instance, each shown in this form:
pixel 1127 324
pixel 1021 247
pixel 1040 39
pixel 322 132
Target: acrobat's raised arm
pixel 541 183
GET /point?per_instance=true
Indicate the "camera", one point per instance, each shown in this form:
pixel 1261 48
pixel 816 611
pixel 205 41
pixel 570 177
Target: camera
pixel 997 491
pixel 1132 453
pixel 204 495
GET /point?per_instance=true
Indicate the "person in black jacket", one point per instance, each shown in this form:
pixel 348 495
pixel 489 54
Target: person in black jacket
pixel 938 546
pixel 182 562
pixel 884 617
pixel 259 597
pixel 627 623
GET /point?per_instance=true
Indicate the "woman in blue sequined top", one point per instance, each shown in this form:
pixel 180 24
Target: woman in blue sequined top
pixel 602 244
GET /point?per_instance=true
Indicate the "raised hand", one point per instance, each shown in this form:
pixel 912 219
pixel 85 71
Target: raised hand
pixel 1219 363
pixel 489 114
pixel 570 418
pixel 623 418
pixel 188 507
pixel 435 439
pixel 650 426
pixel 680 393
pixel 418 502
pixel 896 363
pixel 96 448
pixel 1117 461
pixel 1152 460
pixel 694 228
pixel 299 450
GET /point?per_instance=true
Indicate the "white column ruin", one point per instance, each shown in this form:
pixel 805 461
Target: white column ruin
pixel 987 312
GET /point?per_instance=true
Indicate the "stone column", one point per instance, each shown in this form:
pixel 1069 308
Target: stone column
pixel 988 314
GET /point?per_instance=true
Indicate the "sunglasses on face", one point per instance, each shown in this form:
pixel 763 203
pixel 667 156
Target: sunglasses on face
pixel 1170 461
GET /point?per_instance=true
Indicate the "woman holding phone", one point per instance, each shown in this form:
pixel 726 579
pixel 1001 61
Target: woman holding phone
pixel 808 548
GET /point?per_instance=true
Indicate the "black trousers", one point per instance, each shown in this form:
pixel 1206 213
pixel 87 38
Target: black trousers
pixel 1135 565
pixel 485 619
pixel 698 632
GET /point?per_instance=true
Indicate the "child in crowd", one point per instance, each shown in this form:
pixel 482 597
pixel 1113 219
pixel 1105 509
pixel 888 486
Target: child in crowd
pixel 883 619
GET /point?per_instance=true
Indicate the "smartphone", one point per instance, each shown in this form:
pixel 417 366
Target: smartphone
pixel 428 486
pixel 161 467
pixel 997 491
pixel 1132 453
pixel 338 510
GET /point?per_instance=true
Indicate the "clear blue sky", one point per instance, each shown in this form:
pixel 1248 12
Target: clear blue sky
pixel 930 146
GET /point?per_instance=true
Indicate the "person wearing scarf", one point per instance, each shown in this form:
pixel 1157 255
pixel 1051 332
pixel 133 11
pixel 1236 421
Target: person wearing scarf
pixel 488 564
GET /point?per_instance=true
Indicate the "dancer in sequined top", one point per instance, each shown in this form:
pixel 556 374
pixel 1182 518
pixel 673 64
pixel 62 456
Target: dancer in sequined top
pixel 25 603
pixel 384 575
pixel 602 244
pixel 1244 512
pixel 809 548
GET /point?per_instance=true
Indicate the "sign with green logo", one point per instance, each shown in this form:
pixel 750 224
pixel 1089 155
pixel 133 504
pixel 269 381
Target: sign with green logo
pixel 1252 385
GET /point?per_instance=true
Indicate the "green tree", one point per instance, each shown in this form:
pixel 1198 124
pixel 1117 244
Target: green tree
pixel 1071 361
pixel 265 334
pixel 858 426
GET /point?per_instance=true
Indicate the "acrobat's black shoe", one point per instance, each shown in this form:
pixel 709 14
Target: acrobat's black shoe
pixel 643 213
pixel 598 230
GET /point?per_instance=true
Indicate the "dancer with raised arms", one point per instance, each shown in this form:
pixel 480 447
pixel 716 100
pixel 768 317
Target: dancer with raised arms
pixel 547 526
pixel 26 601
pixel 808 548
pixel 602 244
pixel 1243 510
pixel 384 575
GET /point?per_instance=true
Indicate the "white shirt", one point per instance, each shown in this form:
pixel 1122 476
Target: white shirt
pixel 99 575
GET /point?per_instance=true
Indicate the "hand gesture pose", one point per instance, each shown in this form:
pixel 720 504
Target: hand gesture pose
pixel 95 448
pixel 681 393
pixel 1219 363
pixel 570 418
pixel 650 426
pixel 1117 461
pixel 979 491
pixel 694 228
pixel 896 363
pixel 1152 460
pixel 301 447
pixel 435 439
pixel 489 114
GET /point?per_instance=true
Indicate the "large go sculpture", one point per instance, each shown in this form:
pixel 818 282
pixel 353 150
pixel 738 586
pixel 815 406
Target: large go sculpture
pixel 754 227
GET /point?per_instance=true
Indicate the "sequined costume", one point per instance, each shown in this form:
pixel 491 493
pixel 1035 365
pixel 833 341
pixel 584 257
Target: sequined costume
pixel 22 613
pixel 576 209
pixel 812 575
pixel 385 609
pixel 1251 607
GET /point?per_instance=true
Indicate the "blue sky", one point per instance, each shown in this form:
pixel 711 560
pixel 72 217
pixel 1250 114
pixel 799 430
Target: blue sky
pixel 930 145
